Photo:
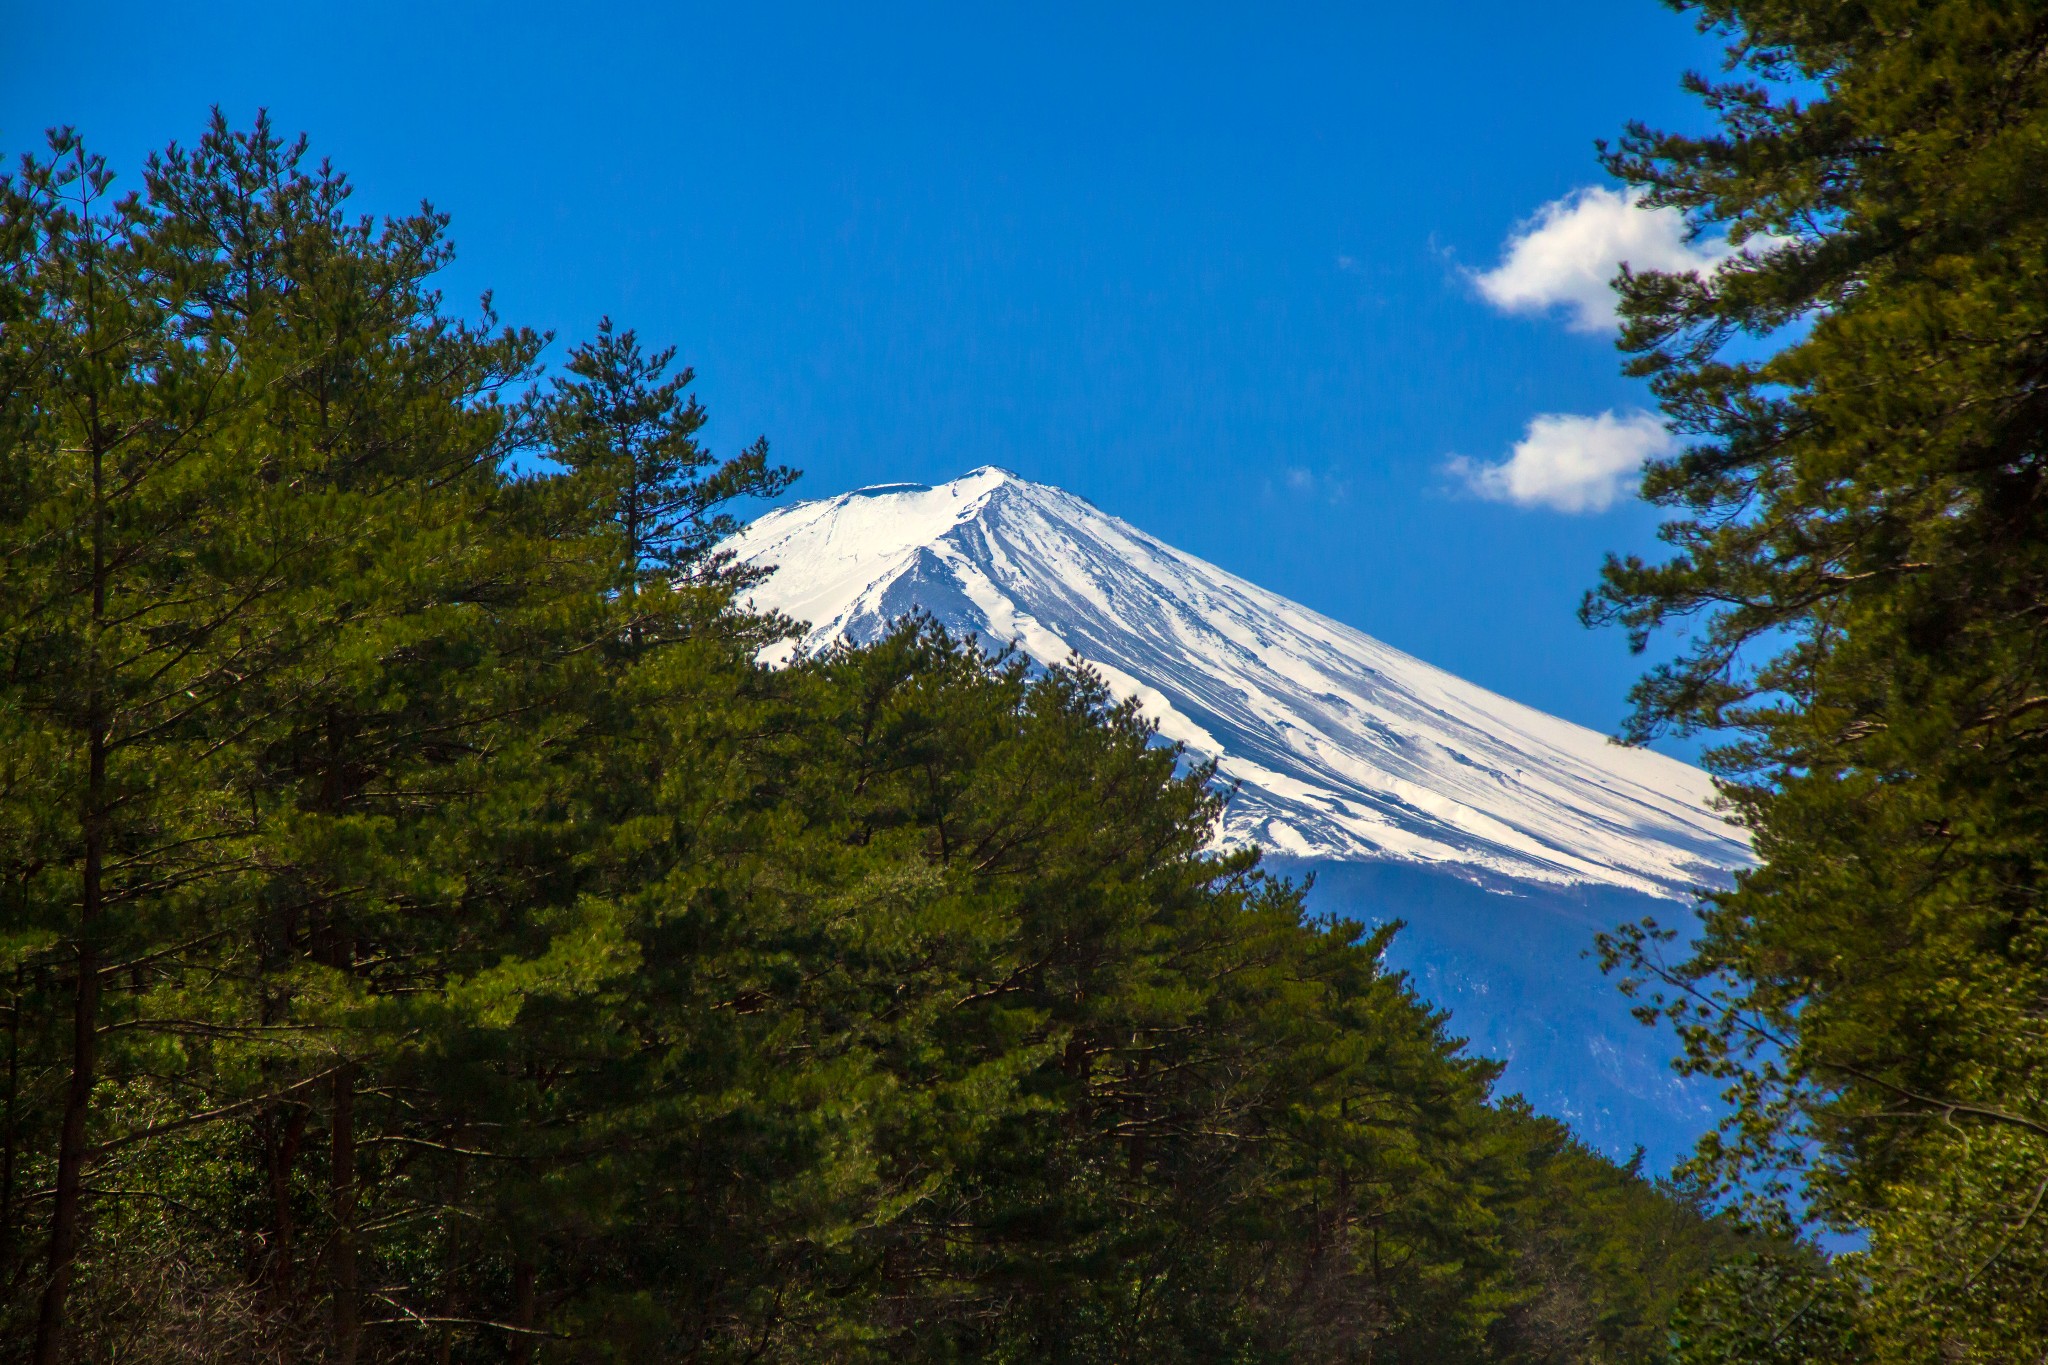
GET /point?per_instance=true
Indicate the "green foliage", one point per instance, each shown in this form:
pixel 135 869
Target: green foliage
pixel 1771 1310
pixel 1601 1257
pixel 430 934
pixel 1861 554
pixel 627 431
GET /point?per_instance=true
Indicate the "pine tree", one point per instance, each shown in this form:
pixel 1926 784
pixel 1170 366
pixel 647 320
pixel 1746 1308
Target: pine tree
pixel 627 430
pixel 145 560
pixel 371 742
pixel 1861 553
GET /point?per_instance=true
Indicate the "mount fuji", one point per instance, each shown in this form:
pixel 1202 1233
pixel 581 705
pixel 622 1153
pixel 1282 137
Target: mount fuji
pixel 1503 836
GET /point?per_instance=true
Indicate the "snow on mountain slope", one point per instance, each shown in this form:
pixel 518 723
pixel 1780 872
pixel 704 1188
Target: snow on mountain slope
pixel 1343 748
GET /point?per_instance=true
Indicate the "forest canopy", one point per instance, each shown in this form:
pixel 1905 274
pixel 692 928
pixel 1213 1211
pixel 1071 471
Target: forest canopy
pixel 430 935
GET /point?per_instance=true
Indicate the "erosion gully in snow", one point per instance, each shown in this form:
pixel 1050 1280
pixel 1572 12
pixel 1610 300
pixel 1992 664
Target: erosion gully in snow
pixel 1503 835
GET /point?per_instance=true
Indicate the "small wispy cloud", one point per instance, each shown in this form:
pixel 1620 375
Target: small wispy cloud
pixel 1568 254
pixel 1569 463
pixel 1299 481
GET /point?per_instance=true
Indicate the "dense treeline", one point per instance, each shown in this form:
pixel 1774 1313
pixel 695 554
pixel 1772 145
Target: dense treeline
pixel 1862 559
pixel 429 935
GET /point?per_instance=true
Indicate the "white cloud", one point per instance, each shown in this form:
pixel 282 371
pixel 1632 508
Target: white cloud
pixel 1574 247
pixel 1568 462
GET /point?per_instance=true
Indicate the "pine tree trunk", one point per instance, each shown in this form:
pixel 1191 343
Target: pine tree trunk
pixel 10 1153
pixel 347 1308
pixel 68 1210
pixel 280 1155
pixel 522 1310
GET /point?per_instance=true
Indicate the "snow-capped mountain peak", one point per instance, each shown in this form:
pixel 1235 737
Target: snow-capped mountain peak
pixel 1342 747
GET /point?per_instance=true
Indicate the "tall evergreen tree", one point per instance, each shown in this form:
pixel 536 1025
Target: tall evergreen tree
pixel 136 589
pixel 1861 554
pixel 627 429
pixel 370 742
pixel 211 536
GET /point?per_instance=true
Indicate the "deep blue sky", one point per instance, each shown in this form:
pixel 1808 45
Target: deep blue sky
pixel 1159 255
